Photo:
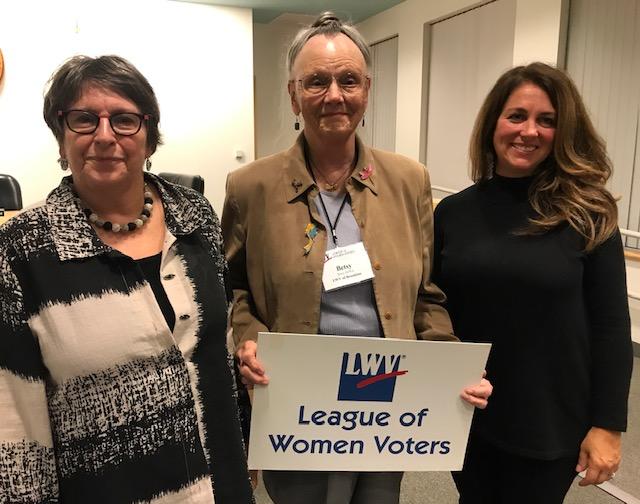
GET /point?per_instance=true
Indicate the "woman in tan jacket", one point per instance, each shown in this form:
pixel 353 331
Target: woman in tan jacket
pixel 284 213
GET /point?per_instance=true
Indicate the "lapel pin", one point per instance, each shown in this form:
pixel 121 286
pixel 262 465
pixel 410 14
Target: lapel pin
pixel 311 231
pixel 366 172
pixel 296 184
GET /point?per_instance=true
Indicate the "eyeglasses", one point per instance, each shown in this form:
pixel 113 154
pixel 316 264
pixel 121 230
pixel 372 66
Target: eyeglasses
pixel 85 122
pixel 318 83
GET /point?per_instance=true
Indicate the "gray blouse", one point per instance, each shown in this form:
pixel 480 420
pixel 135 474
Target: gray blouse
pixel 350 311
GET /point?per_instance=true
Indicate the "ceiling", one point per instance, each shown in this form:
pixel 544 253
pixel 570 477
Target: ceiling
pixel 265 11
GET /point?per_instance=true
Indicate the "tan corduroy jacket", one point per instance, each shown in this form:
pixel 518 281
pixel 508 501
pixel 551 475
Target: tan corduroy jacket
pixel 277 287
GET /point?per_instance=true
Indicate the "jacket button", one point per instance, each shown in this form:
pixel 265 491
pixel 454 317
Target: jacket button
pixel 388 316
pixel 377 266
pixel 170 276
pixel 185 316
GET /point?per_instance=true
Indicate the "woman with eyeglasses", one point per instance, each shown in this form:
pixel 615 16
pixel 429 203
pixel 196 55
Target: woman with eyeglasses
pixel 115 382
pixel 284 213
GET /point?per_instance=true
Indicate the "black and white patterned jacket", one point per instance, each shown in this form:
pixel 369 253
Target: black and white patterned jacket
pixel 99 401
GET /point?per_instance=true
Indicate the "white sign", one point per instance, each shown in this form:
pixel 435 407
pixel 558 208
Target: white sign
pixel 362 404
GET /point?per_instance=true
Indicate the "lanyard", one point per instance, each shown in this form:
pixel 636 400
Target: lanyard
pixel 334 225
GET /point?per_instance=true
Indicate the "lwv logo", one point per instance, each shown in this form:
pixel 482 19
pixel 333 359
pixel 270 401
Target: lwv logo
pixel 368 376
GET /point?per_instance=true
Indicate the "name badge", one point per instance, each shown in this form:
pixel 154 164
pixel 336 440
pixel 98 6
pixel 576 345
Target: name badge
pixel 344 266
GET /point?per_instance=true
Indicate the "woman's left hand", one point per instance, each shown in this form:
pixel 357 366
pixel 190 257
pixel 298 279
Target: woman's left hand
pixel 478 395
pixel 599 455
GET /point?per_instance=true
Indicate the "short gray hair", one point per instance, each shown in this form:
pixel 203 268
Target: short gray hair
pixel 110 72
pixel 327 23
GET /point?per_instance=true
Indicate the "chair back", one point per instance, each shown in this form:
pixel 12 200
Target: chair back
pixel 193 181
pixel 10 194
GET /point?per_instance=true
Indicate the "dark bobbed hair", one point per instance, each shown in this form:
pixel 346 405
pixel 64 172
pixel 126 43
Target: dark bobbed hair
pixel 114 73
pixel 569 186
pixel 327 23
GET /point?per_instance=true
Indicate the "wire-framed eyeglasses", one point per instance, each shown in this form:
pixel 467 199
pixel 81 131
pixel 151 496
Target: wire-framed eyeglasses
pixel 318 83
pixel 85 122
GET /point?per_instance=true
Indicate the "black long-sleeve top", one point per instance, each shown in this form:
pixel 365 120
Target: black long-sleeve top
pixel 556 315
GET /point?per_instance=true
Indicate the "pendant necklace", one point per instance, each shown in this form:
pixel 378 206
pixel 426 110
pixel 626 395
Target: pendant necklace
pixel 328 185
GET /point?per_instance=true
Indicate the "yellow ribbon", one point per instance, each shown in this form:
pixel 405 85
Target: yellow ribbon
pixel 311 231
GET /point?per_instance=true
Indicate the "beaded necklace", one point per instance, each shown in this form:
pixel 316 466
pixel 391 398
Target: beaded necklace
pixel 145 214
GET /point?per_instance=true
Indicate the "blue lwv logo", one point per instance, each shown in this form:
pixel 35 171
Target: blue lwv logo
pixel 368 377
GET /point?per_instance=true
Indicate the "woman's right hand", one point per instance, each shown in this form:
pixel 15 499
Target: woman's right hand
pixel 251 369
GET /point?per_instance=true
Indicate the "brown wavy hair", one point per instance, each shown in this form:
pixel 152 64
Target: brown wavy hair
pixel 568 186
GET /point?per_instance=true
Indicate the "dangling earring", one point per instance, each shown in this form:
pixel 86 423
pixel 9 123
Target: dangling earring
pixel 64 164
pixel 147 164
pixel 491 163
pixel 296 125
pixel 363 121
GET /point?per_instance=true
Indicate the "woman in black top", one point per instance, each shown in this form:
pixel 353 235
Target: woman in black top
pixel 531 260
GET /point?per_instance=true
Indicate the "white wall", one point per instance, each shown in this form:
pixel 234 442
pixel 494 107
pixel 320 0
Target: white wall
pixel 198 58
pixel 537 27
pixel 633 284
pixel 274 118
pixel 540 31
pixel 407 20
pixel 467 53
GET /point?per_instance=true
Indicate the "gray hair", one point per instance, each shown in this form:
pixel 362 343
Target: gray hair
pixel 110 72
pixel 327 23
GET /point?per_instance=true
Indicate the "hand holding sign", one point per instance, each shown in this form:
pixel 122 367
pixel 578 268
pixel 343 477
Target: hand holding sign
pixel 478 395
pixel 251 369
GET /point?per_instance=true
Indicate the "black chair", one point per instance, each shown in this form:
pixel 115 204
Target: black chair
pixel 193 181
pixel 10 194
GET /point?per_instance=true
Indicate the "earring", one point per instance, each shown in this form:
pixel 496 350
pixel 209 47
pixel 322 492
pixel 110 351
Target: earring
pixel 64 164
pixel 491 163
pixel 363 121
pixel 147 164
pixel 296 125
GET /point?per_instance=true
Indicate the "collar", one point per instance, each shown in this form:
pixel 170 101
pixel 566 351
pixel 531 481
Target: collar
pixel 298 180
pixel 75 238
